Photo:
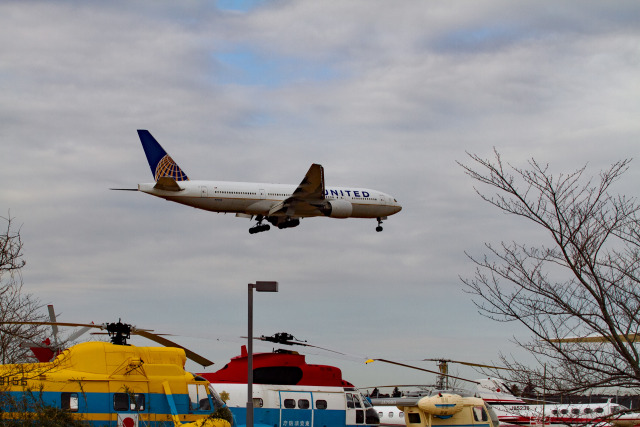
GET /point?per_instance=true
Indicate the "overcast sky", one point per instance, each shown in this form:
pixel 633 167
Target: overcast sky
pixel 385 95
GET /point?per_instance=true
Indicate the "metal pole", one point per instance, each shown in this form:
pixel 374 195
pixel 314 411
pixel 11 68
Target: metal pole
pixel 259 287
pixel 250 360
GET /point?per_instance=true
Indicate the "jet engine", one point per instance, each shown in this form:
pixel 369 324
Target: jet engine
pixel 337 209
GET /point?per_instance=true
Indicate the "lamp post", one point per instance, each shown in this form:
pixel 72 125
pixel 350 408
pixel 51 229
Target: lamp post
pixel 259 287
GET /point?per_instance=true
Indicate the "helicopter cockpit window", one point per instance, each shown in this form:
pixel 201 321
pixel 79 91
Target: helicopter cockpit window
pixel 349 400
pixel 198 397
pixel 479 414
pixel 69 402
pixel 366 401
pixel 217 400
pixel 356 401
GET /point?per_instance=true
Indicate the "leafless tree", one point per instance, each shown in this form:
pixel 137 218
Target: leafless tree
pixel 15 305
pixel 582 280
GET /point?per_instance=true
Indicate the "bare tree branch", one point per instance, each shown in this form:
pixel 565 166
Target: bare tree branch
pixel 583 281
pixel 15 305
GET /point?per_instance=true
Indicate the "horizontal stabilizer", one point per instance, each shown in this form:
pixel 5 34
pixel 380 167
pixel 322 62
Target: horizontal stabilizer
pixel 167 183
pixel 124 189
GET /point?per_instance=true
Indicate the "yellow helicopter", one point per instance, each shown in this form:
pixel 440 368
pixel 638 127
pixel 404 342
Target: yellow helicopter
pixel 115 384
pixel 441 407
pixel 448 409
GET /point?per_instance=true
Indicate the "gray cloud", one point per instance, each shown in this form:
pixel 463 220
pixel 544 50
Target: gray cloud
pixel 386 98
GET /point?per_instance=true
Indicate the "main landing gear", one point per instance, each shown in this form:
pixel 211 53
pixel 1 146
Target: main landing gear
pixel 259 227
pixel 379 227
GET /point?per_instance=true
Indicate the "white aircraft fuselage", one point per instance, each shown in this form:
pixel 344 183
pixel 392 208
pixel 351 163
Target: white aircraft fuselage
pixel 259 198
pixel 279 204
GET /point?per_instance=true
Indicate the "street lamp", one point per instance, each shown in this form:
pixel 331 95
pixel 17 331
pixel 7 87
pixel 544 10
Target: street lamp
pixel 259 287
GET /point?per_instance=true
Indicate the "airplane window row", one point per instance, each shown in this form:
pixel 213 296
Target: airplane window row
pixel 304 404
pixel 235 192
pixel 342 197
pixel 381 414
pixel 279 194
pixel 121 402
pixel 576 411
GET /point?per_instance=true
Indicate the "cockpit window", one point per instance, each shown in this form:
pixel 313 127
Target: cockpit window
pixel 198 397
pixel 366 401
pixel 356 401
pixel 217 400
pixel 479 414
pixel 349 397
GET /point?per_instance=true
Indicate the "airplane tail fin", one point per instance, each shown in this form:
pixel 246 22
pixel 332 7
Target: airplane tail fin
pixel 160 162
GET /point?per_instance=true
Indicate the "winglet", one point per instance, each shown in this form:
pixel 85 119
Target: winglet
pixel 160 162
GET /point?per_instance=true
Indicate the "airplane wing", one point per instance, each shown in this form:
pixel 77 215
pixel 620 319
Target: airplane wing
pixel 307 198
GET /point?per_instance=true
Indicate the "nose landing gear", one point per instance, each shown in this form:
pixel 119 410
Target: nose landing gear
pixel 379 227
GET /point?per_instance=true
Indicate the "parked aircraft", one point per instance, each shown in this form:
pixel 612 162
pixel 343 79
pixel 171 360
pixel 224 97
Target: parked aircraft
pixel 279 204
pixel 513 411
pixel 114 384
pixel 287 391
pixel 441 408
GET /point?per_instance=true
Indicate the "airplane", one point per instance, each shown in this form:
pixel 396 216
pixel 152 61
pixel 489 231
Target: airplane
pixel 279 204
pixel 115 384
pixel 288 391
pixel 513 411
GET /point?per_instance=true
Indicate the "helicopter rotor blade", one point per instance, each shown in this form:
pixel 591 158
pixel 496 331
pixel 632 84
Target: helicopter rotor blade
pixel 279 339
pixel 168 343
pixel 78 333
pixel 54 327
pixel 420 369
pixel 90 325
pixel 304 344
pixel 142 332
pixel 597 338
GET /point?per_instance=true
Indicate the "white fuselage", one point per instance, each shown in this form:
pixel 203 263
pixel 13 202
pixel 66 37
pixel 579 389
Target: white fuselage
pixel 294 405
pixel 390 416
pixel 259 198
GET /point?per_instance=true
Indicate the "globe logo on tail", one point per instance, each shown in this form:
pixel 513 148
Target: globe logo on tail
pixel 167 167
